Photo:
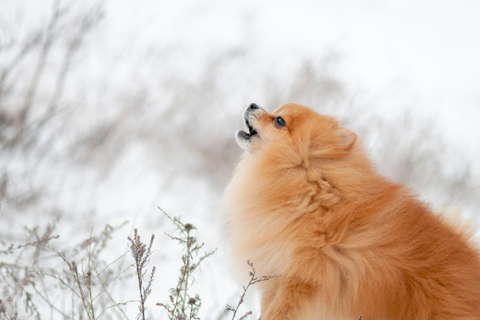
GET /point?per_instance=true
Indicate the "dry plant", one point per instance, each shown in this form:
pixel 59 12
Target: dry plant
pixel 20 273
pixel 35 72
pixel 141 254
pixel 37 281
pixel 90 279
pixel 183 305
pixel 252 281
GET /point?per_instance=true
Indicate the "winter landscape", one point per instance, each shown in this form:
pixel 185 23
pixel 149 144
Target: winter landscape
pixel 118 116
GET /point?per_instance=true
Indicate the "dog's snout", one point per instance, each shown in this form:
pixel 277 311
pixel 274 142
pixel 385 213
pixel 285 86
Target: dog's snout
pixel 251 111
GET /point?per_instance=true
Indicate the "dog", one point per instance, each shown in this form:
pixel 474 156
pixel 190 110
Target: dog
pixel 307 206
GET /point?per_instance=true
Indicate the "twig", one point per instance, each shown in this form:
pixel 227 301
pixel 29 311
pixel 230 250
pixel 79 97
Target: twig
pixel 38 70
pixel 116 305
pixel 49 303
pixel 252 281
pixel 184 306
pixel 39 244
pixel 141 254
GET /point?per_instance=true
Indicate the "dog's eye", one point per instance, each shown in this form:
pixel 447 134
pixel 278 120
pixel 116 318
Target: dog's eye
pixel 280 122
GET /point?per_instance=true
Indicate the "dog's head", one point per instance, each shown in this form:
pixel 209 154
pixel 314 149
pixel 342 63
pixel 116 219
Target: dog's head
pixel 296 127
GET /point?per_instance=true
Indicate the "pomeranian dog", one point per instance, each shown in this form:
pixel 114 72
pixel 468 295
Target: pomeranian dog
pixel 307 207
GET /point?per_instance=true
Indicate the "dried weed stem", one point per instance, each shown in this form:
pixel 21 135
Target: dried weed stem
pixel 184 306
pixel 141 253
pixel 252 281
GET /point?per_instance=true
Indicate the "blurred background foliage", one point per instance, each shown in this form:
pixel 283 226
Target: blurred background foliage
pixel 86 144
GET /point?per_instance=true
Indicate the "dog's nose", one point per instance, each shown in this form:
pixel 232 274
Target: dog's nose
pixel 253 106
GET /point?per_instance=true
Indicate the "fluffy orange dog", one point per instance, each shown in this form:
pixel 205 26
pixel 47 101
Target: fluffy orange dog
pixel 308 207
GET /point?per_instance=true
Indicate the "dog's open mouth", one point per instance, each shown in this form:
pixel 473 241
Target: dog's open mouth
pixel 250 128
pixel 247 135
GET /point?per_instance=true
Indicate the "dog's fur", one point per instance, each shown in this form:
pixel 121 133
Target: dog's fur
pixel 342 241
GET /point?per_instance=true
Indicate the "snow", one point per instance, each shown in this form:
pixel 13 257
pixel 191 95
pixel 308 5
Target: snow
pixel 421 55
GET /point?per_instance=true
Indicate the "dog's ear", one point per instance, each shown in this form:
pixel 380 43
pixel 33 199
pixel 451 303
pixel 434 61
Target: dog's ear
pixel 347 138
